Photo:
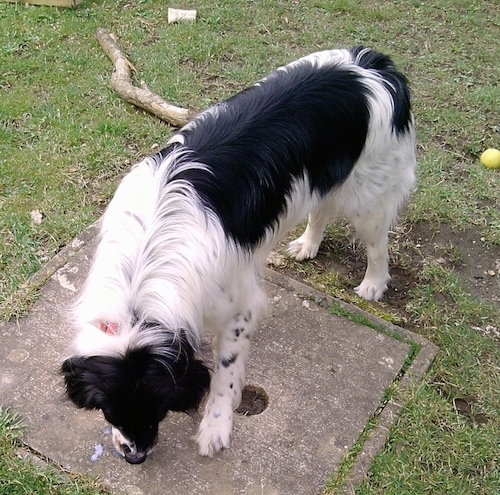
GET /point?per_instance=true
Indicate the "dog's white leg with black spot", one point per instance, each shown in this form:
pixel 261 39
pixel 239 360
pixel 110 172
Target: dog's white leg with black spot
pixel 233 346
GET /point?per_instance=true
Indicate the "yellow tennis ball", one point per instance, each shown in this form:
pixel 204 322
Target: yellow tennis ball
pixel 490 158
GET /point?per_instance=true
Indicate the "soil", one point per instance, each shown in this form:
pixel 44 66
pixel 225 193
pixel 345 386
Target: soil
pixel 254 400
pixel 476 264
pixel 466 253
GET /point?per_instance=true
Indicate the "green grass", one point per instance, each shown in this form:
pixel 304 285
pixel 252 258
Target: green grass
pixel 461 460
pixel 446 440
pixel 66 140
pixel 19 476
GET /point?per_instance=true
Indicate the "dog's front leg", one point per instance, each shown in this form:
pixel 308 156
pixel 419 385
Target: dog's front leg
pixel 233 345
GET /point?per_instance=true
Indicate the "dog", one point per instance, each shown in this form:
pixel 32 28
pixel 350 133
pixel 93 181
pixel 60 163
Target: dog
pixel 184 240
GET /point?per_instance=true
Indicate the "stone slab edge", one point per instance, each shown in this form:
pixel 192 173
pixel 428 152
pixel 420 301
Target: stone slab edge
pixel 377 438
pixel 38 279
pixel 34 283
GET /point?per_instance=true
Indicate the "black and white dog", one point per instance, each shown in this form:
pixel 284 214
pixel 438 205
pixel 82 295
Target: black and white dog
pixel 184 239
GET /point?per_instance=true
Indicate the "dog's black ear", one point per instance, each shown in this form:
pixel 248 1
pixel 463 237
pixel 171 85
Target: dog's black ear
pixel 191 387
pixel 81 382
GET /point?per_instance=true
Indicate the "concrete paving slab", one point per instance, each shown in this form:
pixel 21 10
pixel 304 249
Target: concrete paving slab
pixel 325 376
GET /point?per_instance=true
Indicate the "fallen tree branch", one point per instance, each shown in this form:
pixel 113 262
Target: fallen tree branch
pixel 121 83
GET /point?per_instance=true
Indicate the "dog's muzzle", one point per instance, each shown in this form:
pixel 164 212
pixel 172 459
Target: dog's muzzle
pixel 127 448
pixel 133 457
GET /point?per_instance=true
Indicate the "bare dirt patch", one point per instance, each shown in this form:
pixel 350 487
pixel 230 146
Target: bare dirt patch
pixel 477 264
pixel 465 252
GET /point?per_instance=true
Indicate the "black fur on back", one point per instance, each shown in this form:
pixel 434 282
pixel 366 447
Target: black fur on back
pixel 304 120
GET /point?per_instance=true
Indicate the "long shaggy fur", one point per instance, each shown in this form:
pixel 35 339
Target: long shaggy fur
pixel 184 239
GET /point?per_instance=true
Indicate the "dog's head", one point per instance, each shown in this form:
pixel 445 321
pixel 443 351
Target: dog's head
pixel 136 390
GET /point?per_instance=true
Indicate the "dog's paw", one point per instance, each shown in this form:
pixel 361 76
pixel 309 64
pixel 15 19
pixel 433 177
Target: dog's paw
pixel 214 433
pixel 302 249
pixel 370 291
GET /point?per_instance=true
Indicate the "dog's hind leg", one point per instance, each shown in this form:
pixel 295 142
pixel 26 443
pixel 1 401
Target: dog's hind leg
pixel 307 245
pixel 373 230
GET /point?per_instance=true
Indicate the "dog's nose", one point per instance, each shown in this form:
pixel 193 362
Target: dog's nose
pixel 136 457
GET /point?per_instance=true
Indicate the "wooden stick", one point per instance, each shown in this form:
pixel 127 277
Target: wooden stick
pixel 121 83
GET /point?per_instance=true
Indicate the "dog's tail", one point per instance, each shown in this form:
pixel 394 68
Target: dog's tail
pixel 395 82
